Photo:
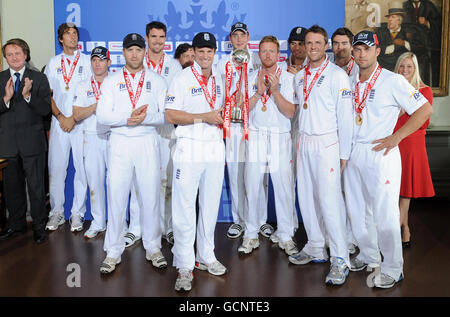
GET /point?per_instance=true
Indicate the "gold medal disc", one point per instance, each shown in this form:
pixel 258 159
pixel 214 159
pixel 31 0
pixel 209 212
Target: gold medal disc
pixel 305 106
pixel 67 88
pixel 358 120
pixel 264 108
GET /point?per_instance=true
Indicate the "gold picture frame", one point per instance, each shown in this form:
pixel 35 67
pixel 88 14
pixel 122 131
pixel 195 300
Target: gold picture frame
pixel 371 14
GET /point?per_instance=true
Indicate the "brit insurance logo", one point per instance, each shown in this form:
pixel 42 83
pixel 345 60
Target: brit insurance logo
pixel 195 91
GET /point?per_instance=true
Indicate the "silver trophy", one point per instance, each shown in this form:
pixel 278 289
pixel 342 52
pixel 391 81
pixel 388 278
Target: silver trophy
pixel 239 57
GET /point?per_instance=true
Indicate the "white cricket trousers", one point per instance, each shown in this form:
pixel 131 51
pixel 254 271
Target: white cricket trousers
pixel 133 156
pixel 372 189
pixel 235 158
pixel 270 152
pixel 60 143
pixel 320 195
pixel 95 163
pixel 166 147
pixel 196 165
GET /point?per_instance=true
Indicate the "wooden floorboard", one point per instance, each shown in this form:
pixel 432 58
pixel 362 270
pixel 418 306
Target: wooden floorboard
pixel 27 269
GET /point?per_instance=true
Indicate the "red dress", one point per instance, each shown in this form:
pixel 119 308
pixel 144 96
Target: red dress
pixel 416 178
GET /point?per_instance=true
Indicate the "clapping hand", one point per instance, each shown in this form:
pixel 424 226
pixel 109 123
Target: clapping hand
pixel 137 116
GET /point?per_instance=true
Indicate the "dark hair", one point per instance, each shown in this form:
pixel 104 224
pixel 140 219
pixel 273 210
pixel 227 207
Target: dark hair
pixel 63 28
pixel 155 25
pixel 22 44
pixel 182 48
pixel 318 29
pixel 343 31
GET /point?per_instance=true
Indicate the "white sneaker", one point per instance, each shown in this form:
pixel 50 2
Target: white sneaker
pixel 289 247
pixel 266 230
pixel 274 238
pixel 157 258
pixel 109 265
pixel 55 221
pixel 131 239
pixel 184 280
pixel 169 237
pixel 76 223
pixel 215 268
pixel 235 231
pixel 248 245
pixel 92 233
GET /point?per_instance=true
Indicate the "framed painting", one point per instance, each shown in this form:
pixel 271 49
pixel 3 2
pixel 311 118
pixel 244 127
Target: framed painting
pixel 419 26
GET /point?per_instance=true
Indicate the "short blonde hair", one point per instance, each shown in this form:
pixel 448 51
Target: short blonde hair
pixel 270 39
pixel 415 80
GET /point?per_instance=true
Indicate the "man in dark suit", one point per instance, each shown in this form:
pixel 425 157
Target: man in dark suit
pixel 24 102
pixel 393 38
pixel 426 15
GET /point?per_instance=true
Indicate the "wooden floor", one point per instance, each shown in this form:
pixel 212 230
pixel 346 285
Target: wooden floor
pixel 27 269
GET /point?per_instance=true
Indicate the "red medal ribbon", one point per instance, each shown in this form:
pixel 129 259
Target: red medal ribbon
pixel 359 106
pixel 211 100
pixel 307 90
pixel 266 95
pixel 96 88
pixel 246 102
pixel 350 65
pixel 227 108
pixel 72 68
pixel 134 97
pixel 150 64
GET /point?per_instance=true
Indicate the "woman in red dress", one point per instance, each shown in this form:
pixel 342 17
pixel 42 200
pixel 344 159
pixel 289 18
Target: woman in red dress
pixel 416 178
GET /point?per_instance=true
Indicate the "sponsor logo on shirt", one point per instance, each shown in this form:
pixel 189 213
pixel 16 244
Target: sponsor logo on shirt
pixel 170 98
pixel 166 71
pixel 90 93
pixel 254 87
pixel 58 70
pixel 346 93
pixel 178 173
pixel 218 90
pixel 416 94
pixel 195 91
pixel 122 86
pixel 80 70
pixel 148 86
pixel 74 98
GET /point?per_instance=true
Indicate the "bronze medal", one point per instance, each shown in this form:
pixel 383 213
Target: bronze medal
pixel 358 120
pixel 305 106
pixel 67 88
pixel 264 108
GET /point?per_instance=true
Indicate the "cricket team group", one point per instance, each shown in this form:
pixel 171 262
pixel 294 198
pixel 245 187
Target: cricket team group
pixel 163 131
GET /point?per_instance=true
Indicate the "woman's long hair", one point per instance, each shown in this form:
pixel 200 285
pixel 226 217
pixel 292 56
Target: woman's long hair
pixel 415 80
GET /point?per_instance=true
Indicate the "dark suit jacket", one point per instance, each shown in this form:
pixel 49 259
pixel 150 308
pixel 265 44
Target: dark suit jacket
pixel 388 61
pixel 429 11
pixel 22 125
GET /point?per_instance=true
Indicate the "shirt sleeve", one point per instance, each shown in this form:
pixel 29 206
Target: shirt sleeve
pixel 175 98
pixel 296 87
pixel 47 73
pixel 107 112
pixel 79 98
pixel 405 95
pixel 287 88
pixel 344 112
pixel 158 118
